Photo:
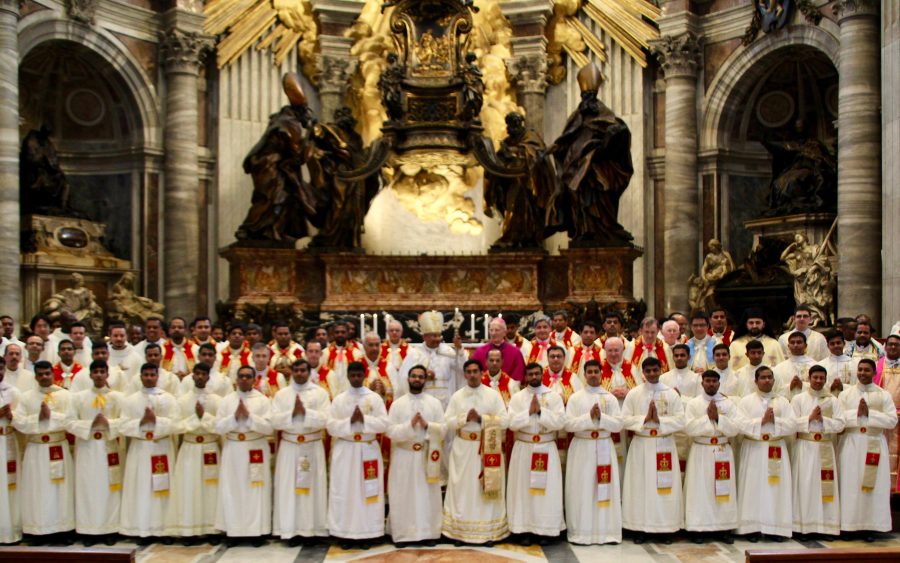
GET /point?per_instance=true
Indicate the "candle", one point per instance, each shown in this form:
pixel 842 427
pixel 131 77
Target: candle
pixel 375 323
pixel 473 326
pixel 362 326
pixel 486 323
pixel 499 315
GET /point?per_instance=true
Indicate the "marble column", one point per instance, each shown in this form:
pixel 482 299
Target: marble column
pixel 530 75
pixel 528 65
pixel 859 159
pixel 679 57
pixel 182 52
pixel 334 64
pixel 10 282
pixel 334 77
pixel 890 167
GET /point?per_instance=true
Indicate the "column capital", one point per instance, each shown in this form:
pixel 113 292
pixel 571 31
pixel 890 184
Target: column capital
pixel 679 55
pixel 529 15
pixel 10 7
pixel 333 72
pixel 183 51
pixel 844 9
pixel 529 72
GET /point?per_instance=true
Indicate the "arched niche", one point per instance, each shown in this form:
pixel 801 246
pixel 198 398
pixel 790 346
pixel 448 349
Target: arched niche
pixel 763 91
pixel 98 130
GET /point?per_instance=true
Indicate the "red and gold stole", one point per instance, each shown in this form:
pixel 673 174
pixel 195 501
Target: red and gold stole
pixel 502 385
pixel 722 475
pixel 659 349
pixel 349 354
pixel 402 349
pixel 727 336
pixel 169 354
pixel 210 467
pixel 606 374
pixel 257 478
pixel 491 457
pixel 565 380
pixel 322 373
pixel 774 464
pixel 243 356
pixel 59 376
pixel 579 357
pixel 535 353
pixel 159 467
pixel 566 339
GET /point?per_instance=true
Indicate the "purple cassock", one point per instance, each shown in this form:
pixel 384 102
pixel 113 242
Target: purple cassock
pixel 513 362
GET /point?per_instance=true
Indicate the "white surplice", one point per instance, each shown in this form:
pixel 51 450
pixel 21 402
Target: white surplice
pixel 705 508
pixel 218 384
pixel 764 501
pixel 816 345
pixel 812 512
pixel 145 496
pixel 468 515
pixel 98 455
pixel 839 367
pixel 865 510
pixel 646 506
pixel 793 366
pixel 10 470
pixel 530 509
pixel 745 379
pixel 772 352
pixel 47 493
pixel 688 385
pixel 195 483
pixel 446 363
pixel 588 520
pixel 244 508
pixel 301 480
pixel 20 378
pixel 415 513
pixel 353 512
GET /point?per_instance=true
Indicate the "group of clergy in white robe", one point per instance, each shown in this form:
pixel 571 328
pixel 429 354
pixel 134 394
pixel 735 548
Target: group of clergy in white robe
pixel 202 464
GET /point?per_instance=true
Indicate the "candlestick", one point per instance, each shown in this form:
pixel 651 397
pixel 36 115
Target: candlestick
pixel 473 326
pixel 375 323
pixel 362 326
pixel 486 323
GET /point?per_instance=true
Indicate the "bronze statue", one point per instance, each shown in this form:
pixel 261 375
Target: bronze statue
pixel 593 162
pixel 282 200
pixel 804 177
pixel 390 84
pixel 473 90
pixel 43 186
pixel 521 200
pixel 343 203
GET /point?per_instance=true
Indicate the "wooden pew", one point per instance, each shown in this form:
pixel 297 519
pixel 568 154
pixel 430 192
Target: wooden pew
pixel 841 555
pixel 72 554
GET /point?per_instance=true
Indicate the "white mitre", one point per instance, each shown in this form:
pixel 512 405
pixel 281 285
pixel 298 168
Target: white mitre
pixel 431 322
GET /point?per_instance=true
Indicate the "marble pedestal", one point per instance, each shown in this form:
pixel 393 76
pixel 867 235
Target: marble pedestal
pixel 814 225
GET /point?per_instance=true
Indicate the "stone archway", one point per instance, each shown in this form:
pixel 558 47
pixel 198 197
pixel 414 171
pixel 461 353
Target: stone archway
pixel 761 92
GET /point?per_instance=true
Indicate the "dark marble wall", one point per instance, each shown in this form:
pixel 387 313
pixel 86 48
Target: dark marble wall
pixel 746 200
pixel 106 199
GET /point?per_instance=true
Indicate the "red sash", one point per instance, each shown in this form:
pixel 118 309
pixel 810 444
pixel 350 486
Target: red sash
pixel 244 356
pixel 535 352
pixel 349 354
pixel 169 354
pixel 659 349
pixel 58 373
pixel 579 357
pixel 606 374
pixel 322 372
pixel 565 379
pixel 403 349
pixel 502 385
pixel 567 338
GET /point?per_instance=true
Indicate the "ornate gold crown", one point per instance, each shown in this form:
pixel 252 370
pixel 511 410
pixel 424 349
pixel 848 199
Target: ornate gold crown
pixel 590 78
pixel 291 85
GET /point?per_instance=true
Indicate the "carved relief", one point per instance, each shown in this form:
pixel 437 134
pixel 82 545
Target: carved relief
pixel 678 55
pixel 183 51
pixel 82 11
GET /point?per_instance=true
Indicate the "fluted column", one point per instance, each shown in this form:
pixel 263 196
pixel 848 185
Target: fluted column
pixel 182 52
pixel 10 283
pixel 679 57
pixel 859 159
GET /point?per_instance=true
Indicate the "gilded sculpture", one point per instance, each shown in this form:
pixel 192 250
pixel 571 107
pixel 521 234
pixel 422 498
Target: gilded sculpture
pixel 76 303
pixel 814 279
pixel 124 305
pixel 701 287
pixel 594 168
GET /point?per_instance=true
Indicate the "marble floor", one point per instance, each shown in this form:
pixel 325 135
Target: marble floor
pixel 681 550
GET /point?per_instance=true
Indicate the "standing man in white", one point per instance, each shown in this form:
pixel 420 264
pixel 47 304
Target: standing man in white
pixel 300 413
